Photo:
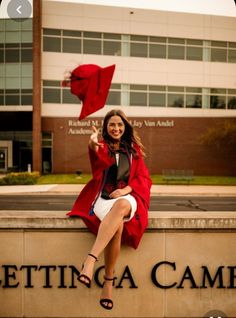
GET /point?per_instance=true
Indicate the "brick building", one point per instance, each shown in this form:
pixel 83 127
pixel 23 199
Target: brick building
pixel 174 78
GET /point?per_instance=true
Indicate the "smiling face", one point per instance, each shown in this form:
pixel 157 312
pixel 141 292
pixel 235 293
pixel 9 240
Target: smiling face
pixel 115 127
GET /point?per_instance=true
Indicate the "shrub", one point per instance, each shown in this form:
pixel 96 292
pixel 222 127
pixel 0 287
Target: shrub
pixel 19 178
pixel 220 136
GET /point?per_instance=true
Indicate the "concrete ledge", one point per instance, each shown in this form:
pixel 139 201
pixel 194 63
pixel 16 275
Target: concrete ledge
pixel 184 267
pixel 158 221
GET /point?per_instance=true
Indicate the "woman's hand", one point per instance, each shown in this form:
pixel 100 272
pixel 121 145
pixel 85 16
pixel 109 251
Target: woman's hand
pixel 93 141
pixel 120 192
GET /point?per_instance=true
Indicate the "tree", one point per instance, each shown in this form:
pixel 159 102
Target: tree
pixel 221 136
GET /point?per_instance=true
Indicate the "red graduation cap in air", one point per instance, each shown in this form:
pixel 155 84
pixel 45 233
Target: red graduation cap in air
pixel 91 84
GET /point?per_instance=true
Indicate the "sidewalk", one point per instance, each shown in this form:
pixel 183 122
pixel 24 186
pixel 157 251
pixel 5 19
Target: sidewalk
pixel 161 190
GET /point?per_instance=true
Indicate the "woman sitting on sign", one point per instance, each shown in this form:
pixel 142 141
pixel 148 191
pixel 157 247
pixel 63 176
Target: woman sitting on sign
pixel 114 204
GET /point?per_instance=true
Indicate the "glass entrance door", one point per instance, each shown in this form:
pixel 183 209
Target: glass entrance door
pixel 3 159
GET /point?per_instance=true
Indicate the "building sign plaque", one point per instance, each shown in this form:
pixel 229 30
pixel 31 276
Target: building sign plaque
pixel 76 127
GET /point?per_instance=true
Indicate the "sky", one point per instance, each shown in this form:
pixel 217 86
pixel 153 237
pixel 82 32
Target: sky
pixel 212 7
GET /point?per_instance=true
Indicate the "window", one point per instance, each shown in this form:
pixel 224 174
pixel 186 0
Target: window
pixel 112 48
pixel 217 101
pixel 232 56
pixel 157 96
pixel 1 53
pixel 73 41
pixel 114 98
pixel 51 92
pixel 138 46
pixel 138 49
pixel 51 40
pixel 176 41
pixel 26 36
pixel 26 82
pixel 92 43
pixel 51 95
pixel 2 97
pixel 176 52
pixel 12 97
pixel 157 99
pixel 12 53
pixel 218 55
pixel 52 32
pixel 218 98
pixel 13 36
pixel 92 47
pixel 51 44
pixel 194 50
pixel 71 45
pixel 193 97
pixel 194 53
pixel 176 48
pixel 138 95
pixel 157 51
pixel 138 99
pixel 26 97
pixel 218 91
pixel 175 100
pixel 12 70
pixel 71 33
pixel 112 44
pixel 143 95
pixel 15 97
pixel 232 102
pixel 193 101
pixel 16 62
pixel 218 51
pixel 26 52
pixel 157 39
pixel 68 98
pixel 12 82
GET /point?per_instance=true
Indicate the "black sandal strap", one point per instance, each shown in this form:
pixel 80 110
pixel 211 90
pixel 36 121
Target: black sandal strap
pixel 95 257
pixel 111 279
pixel 84 279
pixel 106 303
pixel 107 278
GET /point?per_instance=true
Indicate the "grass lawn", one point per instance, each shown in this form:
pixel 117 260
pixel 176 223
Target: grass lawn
pixel 156 179
pixel 64 179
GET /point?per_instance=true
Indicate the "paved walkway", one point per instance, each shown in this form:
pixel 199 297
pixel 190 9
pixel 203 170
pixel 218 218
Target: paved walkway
pixel 167 190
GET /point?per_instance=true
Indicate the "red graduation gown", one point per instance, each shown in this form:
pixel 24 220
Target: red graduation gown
pixel 140 183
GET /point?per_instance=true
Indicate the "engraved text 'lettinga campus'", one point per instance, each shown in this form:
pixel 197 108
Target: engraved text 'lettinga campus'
pixel 65 276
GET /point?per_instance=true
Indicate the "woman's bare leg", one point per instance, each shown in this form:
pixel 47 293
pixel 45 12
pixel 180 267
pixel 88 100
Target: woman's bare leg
pixel 111 254
pixel 107 229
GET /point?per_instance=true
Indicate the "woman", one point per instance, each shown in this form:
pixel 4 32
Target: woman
pixel 114 204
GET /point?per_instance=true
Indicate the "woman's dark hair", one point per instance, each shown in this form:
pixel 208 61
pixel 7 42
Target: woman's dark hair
pixel 130 136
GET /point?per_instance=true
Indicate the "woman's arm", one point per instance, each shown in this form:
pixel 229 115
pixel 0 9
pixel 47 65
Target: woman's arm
pixel 93 140
pixel 120 192
pixel 98 155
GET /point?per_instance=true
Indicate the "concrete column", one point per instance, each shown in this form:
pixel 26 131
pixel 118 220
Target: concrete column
pixel 37 139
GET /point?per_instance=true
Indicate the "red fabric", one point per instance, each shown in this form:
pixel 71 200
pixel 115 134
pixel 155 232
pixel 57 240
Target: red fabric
pixel 139 181
pixel 91 84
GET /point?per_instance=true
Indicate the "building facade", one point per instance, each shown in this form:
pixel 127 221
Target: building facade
pixel 174 78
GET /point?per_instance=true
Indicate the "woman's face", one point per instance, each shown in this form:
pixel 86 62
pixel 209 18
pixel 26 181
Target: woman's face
pixel 115 127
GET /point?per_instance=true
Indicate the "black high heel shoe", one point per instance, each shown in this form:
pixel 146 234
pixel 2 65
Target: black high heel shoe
pixel 84 279
pixel 107 303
